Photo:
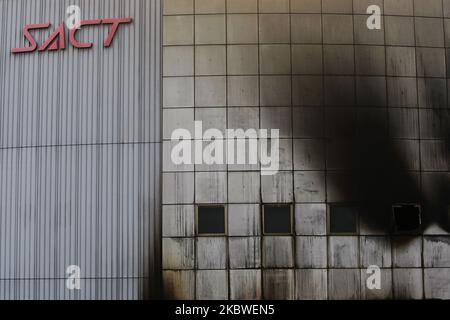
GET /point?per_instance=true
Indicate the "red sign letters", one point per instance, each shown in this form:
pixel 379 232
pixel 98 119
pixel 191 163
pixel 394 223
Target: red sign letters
pixel 57 40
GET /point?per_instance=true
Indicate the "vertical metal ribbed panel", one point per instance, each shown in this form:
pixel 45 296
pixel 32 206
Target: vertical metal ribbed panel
pixel 80 154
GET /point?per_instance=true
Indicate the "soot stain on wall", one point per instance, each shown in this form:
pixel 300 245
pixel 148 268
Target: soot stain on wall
pixel 375 167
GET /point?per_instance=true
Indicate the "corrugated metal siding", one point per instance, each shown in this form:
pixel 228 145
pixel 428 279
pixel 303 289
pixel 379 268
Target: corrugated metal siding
pixel 80 154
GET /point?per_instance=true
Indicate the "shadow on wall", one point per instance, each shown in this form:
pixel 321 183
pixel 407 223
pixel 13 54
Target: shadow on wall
pixel 373 154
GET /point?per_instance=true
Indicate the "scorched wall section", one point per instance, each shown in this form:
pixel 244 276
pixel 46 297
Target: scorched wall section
pixel 363 119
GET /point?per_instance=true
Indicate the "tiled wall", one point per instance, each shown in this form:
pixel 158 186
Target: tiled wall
pixel 343 97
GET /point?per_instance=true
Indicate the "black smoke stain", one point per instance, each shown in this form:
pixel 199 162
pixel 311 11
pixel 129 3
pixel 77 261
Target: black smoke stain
pixel 370 168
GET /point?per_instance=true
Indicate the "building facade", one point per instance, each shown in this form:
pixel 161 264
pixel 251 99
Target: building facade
pixel 363 119
pixel 79 153
pixel 87 176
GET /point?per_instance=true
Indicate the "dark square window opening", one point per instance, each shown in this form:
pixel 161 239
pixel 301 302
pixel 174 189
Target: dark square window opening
pixel 343 219
pixel 211 220
pixel 277 219
pixel 407 218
